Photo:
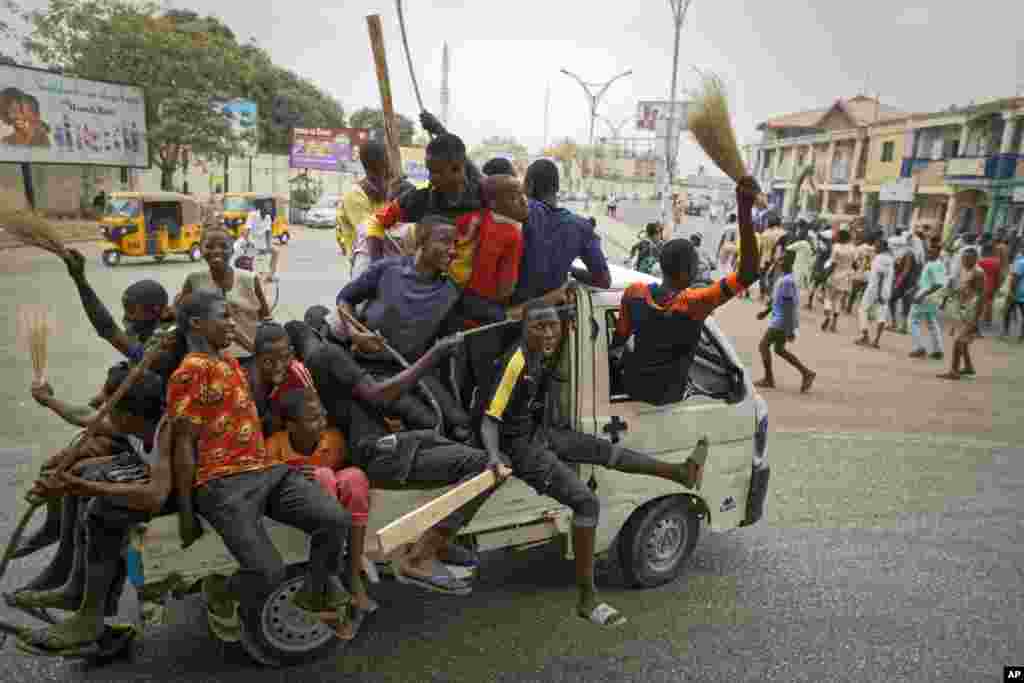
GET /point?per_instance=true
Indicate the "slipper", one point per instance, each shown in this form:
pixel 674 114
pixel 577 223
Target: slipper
pixel 604 615
pixel 805 386
pixel 440 581
pixel 356 617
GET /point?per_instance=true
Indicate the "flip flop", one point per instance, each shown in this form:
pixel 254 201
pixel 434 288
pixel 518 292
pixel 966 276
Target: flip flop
pixel 356 617
pixel 113 639
pixel 441 581
pixel 604 615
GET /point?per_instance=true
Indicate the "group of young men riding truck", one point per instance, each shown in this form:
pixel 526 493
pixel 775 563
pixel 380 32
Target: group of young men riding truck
pixel 242 417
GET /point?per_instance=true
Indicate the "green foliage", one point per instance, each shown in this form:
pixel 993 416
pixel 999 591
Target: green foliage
pixel 373 119
pixel 185 62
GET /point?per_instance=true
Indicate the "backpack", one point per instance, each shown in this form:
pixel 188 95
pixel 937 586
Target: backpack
pixel 647 258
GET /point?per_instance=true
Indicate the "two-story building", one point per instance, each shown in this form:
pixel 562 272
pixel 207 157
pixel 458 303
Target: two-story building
pixel 967 166
pixel 836 140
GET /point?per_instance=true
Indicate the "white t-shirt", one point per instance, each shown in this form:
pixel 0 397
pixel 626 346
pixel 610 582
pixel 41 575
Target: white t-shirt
pixel 881 278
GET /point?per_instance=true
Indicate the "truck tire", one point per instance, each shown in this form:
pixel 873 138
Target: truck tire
pixel 276 633
pixel 657 540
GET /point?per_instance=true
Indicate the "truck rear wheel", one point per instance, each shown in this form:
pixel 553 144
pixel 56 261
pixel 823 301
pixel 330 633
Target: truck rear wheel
pixel 657 540
pixel 277 633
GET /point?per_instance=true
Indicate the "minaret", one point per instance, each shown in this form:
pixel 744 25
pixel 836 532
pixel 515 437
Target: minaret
pixel 444 86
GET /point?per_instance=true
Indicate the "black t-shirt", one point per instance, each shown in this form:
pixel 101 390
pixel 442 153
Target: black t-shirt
pixel 516 397
pixel 336 374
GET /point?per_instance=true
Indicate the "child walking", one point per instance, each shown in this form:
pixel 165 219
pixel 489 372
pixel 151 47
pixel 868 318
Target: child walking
pixel 784 309
pixel 925 311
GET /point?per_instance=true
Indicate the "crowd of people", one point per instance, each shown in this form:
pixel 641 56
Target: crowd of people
pixel 237 416
pixel 907 282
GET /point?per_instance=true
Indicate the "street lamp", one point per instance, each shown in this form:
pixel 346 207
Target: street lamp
pixel 679 16
pixel 594 99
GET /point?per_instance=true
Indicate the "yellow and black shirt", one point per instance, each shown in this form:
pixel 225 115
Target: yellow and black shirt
pixel 516 398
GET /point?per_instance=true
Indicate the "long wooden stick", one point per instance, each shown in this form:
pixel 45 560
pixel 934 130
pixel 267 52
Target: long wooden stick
pixel 384 83
pixel 411 525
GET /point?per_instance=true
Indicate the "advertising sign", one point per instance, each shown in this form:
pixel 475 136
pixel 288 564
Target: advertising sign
pixel 48 118
pixel 649 113
pixel 244 121
pixel 327 149
pixel 901 190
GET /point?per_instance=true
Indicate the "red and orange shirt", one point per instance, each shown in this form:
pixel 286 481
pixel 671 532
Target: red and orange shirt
pixel 213 394
pixel 695 303
pixel 488 249
pixel 330 452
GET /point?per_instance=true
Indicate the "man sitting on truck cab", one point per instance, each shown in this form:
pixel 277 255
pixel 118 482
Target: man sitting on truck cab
pixel 665 320
pixel 515 429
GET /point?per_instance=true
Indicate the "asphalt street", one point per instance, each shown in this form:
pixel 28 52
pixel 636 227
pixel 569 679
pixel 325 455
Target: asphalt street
pixel 891 549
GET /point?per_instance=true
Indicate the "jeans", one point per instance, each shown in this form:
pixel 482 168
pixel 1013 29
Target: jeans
pixel 934 331
pixel 1012 306
pixel 235 507
pixel 422 460
pixel 546 469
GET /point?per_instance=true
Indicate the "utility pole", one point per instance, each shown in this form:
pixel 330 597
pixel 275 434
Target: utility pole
pixel 547 116
pixel 444 86
pixel 594 98
pixel 616 129
pixel 671 146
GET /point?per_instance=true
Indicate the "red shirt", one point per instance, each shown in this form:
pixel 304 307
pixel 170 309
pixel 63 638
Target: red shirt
pixel 990 264
pixel 298 377
pixel 499 249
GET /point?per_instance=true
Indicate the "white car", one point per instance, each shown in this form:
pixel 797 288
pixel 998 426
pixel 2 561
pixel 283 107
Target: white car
pixel 325 213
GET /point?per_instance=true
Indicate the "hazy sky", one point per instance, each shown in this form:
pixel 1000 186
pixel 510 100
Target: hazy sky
pixel 776 57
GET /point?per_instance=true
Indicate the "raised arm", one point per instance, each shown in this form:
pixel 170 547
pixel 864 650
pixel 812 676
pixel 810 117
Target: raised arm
pixel 102 321
pixel 747 191
pixel 384 393
pixel 78 415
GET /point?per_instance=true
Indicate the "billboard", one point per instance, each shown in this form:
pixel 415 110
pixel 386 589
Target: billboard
pixel 649 113
pixel 243 116
pixel 48 118
pixel 327 149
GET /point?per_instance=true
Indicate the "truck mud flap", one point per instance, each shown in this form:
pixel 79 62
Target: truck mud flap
pixel 758 494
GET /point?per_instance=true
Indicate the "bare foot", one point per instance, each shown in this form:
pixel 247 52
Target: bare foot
pixel 808 381
pixel 949 375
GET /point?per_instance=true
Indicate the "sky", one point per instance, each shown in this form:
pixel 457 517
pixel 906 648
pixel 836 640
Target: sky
pixel 775 57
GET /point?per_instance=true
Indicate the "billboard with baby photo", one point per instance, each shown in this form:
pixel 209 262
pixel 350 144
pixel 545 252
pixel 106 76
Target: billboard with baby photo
pixel 49 118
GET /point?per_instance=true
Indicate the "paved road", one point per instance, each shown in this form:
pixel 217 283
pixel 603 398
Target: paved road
pixel 891 549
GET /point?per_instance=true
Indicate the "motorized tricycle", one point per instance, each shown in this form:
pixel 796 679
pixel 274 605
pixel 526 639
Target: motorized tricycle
pixel 153 224
pixel 237 206
pixel 649 526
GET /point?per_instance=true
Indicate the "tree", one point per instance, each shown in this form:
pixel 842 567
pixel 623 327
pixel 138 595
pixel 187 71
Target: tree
pixel 373 119
pixel 306 190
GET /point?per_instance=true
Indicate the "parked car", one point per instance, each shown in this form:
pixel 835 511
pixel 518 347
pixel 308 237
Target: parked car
pixel 325 213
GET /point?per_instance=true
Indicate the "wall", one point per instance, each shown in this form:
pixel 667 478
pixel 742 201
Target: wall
pixel 879 171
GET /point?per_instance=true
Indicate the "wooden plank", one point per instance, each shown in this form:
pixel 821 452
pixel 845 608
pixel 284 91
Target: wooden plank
pixel 411 525
pixel 384 83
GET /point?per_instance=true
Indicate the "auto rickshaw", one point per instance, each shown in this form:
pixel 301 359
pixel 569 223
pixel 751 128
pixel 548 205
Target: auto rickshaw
pixel 151 224
pixel 237 206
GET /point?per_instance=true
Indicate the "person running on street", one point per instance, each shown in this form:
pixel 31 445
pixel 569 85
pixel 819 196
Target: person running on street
pixel 785 319
pixel 925 311
pixel 877 294
pixel 840 283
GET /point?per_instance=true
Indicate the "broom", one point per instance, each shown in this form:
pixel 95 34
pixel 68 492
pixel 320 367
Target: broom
pixel 711 126
pixel 30 229
pixel 34 329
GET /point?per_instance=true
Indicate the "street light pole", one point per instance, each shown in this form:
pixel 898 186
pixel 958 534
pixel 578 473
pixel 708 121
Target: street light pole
pixel 594 99
pixel 616 128
pixel 679 15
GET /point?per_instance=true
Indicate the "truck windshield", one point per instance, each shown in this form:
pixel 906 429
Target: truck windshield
pixel 123 208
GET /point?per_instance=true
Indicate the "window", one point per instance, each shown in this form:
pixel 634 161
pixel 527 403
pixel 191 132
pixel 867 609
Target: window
pixel 712 374
pixel 888 148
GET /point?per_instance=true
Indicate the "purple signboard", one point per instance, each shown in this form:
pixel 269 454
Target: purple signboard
pixel 326 149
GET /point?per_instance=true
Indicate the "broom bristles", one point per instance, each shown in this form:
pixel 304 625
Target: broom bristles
pixel 35 328
pixel 711 126
pixel 29 228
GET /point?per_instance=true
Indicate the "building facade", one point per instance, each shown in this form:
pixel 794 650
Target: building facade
pixel 962 169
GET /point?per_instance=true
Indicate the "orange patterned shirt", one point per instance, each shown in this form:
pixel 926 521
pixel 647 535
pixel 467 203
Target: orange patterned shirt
pixel 213 394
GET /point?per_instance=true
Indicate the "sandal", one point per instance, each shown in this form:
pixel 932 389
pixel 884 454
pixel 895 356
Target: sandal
pixel 441 580
pixel 604 615
pixel 949 375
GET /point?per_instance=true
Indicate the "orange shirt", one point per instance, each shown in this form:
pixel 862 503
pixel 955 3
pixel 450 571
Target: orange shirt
pixel 213 394
pixel 694 303
pixel 330 452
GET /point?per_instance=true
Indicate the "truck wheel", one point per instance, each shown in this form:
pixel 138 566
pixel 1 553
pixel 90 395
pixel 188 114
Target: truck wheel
pixel 195 253
pixel 276 633
pixel 284 238
pixel 111 257
pixel 657 540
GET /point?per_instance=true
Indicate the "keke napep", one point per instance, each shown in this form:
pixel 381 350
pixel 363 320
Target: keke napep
pixel 237 206
pixel 150 224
